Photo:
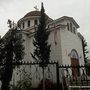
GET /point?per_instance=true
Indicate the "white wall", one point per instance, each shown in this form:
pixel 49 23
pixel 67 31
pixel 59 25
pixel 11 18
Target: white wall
pixel 29 48
pixel 55 54
pixel 70 41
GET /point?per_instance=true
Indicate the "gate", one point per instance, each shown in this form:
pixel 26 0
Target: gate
pixel 74 81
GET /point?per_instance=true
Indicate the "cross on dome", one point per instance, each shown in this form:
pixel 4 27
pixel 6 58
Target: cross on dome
pixel 36 8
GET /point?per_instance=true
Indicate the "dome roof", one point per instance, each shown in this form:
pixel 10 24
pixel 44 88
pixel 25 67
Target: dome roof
pixel 33 13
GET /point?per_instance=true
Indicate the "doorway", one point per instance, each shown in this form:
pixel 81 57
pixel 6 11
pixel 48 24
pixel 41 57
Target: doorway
pixel 75 63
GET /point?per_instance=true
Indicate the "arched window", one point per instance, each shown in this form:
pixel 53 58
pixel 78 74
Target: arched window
pixel 36 22
pixel 74 54
pixel 28 23
pixel 23 25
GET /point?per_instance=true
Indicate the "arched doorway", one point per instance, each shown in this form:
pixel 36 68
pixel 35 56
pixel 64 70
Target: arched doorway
pixel 75 62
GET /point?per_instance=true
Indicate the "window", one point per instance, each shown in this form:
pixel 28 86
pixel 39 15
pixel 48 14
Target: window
pixel 68 26
pixel 36 22
pixel 74 54
pixel 28 24
pixel 74 30
pixel 71 27
pixel 23 25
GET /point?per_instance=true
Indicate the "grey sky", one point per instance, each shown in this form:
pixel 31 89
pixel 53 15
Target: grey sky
pixel 78 9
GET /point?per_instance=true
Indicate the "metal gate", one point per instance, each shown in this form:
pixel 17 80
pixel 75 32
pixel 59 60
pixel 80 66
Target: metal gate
pixel 75 81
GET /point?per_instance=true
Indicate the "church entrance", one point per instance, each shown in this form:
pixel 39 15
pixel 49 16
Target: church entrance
pixel 75 70
pixel 74 63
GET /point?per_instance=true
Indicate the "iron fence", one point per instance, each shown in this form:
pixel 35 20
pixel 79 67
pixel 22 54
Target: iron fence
pixel 75 77
pixel 57 77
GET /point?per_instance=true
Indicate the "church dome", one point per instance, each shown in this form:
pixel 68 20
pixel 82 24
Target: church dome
pixel 33 13
pixel 31 19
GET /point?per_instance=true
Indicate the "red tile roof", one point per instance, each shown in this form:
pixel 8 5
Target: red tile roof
pixel 33 13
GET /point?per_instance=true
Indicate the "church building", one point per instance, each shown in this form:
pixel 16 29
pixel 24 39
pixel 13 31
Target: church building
pixel 66 42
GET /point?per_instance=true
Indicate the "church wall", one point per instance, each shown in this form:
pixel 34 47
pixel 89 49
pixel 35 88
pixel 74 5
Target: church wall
pixel 54 40
pixel 70 41
pixel 28 48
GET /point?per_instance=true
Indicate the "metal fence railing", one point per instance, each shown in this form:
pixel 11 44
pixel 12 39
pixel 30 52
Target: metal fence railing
pixel 58 77
pixel 75 77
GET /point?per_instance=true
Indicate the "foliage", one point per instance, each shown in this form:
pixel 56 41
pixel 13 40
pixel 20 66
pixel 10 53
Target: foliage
pixel 42 48
pixel 85 51
pixel 24 83
pixel 11 51
pixel 12 43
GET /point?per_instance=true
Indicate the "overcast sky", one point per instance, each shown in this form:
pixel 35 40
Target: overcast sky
pixel 78 9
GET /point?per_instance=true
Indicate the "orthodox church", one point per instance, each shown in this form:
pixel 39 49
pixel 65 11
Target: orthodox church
pixel 66 42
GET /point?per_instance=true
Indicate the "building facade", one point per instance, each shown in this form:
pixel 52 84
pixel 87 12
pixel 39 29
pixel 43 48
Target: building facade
pixel 66 43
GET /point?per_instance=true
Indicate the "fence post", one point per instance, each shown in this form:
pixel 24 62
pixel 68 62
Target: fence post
pixel 57 74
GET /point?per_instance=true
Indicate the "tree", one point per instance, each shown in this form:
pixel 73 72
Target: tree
pixel 42 48
pixel 11 51
pixel 85 51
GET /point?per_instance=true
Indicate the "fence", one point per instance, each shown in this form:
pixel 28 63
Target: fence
pixel 75 77
pixel 30 76
pixel 57 77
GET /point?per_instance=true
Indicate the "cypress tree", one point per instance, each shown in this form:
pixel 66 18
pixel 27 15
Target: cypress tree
pixel 11 51
pixel 85 51
pixel 42 48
